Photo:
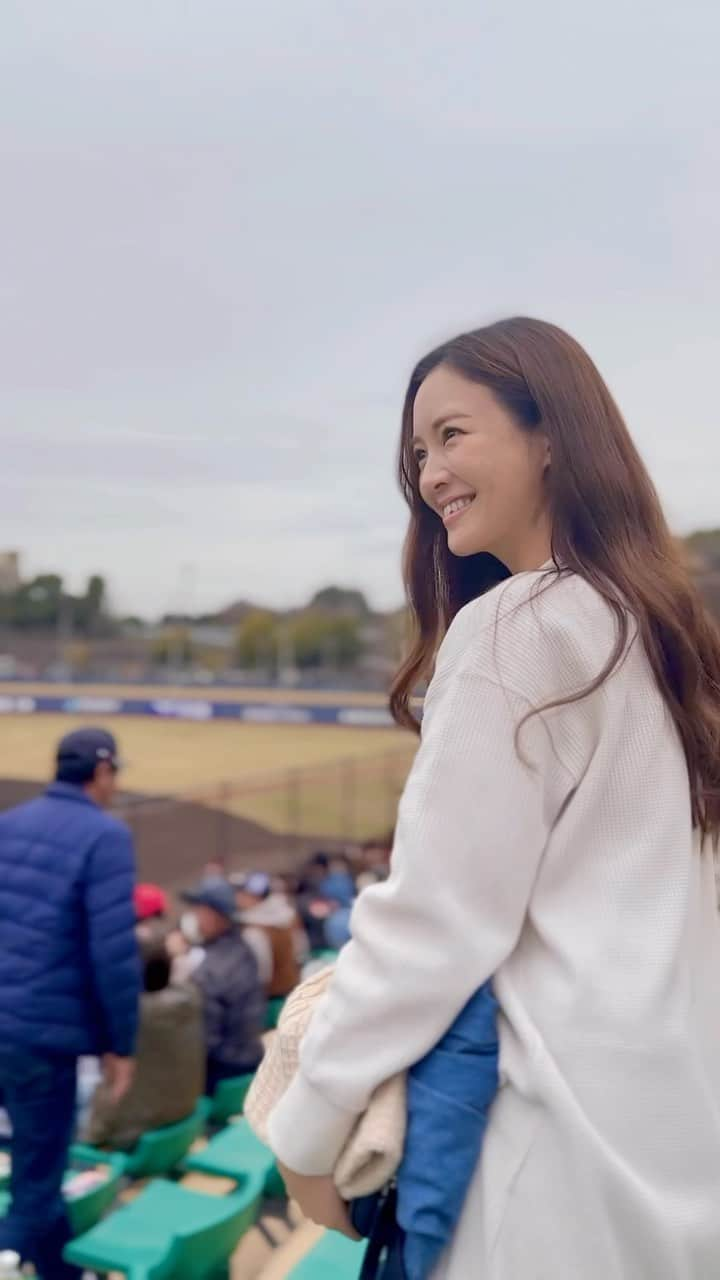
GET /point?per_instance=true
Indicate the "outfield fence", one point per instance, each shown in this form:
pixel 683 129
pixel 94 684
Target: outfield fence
pixel 294 710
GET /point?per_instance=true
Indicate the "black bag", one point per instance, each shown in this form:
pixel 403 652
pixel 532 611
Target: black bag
pixel 374 1217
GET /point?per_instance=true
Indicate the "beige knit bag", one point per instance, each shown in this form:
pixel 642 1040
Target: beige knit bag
pixel 373 1151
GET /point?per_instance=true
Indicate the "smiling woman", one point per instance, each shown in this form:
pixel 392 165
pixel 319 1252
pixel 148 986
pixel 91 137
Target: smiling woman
pixel 554 838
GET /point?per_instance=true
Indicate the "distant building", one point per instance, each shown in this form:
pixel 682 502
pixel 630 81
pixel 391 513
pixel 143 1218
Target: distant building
pixel 9 571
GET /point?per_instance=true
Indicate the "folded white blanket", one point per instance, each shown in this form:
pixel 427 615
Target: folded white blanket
pixel 374 1149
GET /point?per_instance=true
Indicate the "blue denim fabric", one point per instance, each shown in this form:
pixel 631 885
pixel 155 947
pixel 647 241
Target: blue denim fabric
pixel 449 1096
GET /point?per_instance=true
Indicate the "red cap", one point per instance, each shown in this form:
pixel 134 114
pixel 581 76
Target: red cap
pixel 150 900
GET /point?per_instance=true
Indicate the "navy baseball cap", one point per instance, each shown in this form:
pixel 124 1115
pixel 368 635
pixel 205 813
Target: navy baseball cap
pixel 81 751
pixel 213 892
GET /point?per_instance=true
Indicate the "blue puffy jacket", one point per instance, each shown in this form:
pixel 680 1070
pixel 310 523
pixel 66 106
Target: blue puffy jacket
pixel 69 965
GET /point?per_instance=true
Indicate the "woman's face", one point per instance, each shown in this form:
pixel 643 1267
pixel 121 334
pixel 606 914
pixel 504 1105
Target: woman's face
pixel 480 472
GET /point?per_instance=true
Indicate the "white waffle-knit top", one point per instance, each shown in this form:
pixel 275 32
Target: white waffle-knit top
pixel 563 864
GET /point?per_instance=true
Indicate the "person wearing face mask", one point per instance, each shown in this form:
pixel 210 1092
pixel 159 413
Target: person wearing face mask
pixel 555 836
pixel 227 977
pixel 184 947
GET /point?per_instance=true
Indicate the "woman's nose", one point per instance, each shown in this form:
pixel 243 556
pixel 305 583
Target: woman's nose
pixel 434 477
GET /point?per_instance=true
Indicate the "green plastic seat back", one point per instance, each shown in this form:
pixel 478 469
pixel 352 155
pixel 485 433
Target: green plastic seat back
pixel 168 1229
pixel 85 1210
pixel 237 1153
pixel 274 1009
pixel 229 1098
pixel 159 1151
pixel 123 1242
pixel 206 1252
pixel 334 1257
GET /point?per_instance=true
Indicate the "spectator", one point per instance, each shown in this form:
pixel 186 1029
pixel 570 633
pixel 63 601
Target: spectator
pixel 228 979
pixel 375 863
pixel 151 905
pixel 69 979
pixel 170 1071
pixel 270 928
pixel 338 891
pixel 313 908
pixel 338 885
pixel 150 902
pixel 184 947
pixel 367 879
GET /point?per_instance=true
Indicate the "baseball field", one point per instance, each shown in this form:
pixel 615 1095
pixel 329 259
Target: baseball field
pixel 332 780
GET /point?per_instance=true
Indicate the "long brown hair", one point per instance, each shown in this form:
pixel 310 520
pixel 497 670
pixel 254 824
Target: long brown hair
pixel 608 526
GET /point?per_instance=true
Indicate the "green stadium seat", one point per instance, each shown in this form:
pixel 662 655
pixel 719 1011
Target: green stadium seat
pixel 159 1151
pixel 228 1099
pixel 87 1209
pixel 334 1257
pixel 324 953
pixel 274 1009
pixel 236 1153
pixel 169 1231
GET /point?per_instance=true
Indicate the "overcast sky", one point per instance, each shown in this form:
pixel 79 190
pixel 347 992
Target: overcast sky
pixel 229 229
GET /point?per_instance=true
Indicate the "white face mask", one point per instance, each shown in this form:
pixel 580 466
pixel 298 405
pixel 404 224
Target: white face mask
pixel 190 929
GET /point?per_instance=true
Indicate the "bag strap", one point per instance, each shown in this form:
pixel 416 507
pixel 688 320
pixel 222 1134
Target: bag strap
pixel 383 1256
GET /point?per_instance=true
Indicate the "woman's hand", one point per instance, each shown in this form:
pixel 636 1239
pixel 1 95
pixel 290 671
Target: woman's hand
pixel 320 1201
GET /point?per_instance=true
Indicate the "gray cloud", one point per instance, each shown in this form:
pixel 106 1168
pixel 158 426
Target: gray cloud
pixel 230 230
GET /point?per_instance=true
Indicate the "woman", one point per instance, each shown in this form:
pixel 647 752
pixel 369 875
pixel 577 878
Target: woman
pixel 556 833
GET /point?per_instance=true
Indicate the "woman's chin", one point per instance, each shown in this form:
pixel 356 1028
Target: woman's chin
pixel 462 543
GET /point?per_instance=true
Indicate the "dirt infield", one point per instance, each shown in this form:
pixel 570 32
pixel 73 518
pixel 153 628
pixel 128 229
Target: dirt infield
pixel 174 841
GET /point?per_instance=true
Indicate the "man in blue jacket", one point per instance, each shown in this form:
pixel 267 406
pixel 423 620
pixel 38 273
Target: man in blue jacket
pixel 69 979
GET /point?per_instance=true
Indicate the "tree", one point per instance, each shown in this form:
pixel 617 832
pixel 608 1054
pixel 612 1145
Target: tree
pixel 37 603
pixel 173 648
pixel 95 594
pixel 89 609
pixel 341 600
pixel 324 640
pixel 257 643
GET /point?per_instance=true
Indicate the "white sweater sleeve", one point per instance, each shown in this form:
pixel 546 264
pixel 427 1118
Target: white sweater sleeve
pixel 472 826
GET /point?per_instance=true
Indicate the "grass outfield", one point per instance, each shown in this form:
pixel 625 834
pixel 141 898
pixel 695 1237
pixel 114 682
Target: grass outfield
pixel 295 778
